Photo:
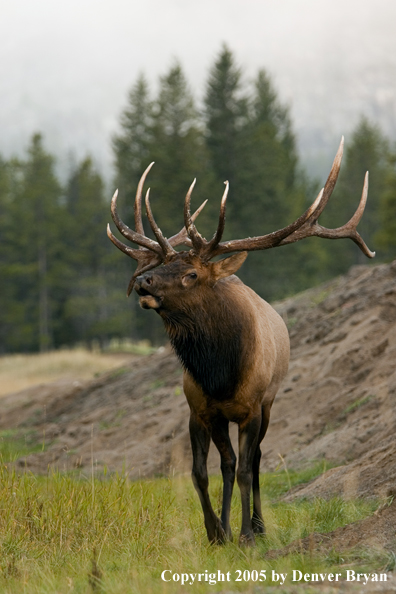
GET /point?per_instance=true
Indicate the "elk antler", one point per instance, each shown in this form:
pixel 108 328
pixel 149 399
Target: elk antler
pixel 305 226
pixel 204 248
pixel 150 253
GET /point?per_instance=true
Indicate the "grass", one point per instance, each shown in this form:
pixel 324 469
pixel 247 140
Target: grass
pixel 15 444
pixel 71 533
pixel 18 372
pixel 67 533
pixel 358 403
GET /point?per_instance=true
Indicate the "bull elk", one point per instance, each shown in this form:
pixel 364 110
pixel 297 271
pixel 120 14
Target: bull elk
pixel 233 346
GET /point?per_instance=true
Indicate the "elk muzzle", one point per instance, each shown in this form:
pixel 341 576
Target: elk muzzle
pixel 145 288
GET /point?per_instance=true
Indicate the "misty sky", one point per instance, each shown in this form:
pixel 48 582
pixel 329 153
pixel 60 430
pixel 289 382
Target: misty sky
pixel 66 66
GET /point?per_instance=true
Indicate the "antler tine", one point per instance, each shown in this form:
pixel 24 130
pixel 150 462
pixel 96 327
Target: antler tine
pixel 146 259
pixel 266 242
pixel 331 180
pixel 355 220
pixel 346 231
pixel 138 201
pixel 166 247
pixel 214 242
pixel 149 255
pixel 194 235
pixel 349 229
pixel 121 246
pixel 128 233
pixel 143 255
pixel 307 225
pixel 182 238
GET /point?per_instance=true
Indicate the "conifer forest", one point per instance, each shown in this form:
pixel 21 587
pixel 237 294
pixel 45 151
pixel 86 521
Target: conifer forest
pixel 62 281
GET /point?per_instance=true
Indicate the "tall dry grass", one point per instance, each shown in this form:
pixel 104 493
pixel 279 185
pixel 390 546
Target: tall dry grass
pixel 18 372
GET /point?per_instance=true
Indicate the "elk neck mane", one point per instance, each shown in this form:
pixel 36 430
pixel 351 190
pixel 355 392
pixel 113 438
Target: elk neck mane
pixel 208 338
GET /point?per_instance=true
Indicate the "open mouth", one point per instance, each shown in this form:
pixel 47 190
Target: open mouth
pixel 150 301
pixel 142 292
pixel 147 300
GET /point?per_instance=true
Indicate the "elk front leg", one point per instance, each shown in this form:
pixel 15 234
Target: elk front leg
pixel 248 441
pixel 222 441
pixel 200 441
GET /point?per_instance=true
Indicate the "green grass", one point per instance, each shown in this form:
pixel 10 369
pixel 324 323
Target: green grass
pixel 278 483
pixel 68 533
pixel 358 403
pixel 14 444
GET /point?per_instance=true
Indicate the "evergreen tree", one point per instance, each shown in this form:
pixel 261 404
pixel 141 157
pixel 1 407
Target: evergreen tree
pixel 251 142
pixel 386 235
pixel 178 150
pixel 14 330
pixel 173 138
pixel 267 159
pixel 42 192
pixel 226 111
pixel 93 306
pixel 132 147
pixel 31 224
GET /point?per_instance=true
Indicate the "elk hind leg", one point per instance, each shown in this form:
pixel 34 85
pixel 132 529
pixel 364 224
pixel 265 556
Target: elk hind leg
pixel 200 441
pixel 248 441
pixel 221 439
pixel 257 518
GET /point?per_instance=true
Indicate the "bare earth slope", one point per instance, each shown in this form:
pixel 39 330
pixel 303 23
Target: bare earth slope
pixel 337 402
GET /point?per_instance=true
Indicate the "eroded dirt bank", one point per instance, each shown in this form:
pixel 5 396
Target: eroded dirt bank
pixel 337 402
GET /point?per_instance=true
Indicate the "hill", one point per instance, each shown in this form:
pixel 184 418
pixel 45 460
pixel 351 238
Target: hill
pixel 338 401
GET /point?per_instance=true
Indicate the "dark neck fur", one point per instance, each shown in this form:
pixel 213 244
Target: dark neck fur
pixel 208 342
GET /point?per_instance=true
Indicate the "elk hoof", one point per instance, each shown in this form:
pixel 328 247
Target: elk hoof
pixel 218 536
pixel 258 526
pixel 247 540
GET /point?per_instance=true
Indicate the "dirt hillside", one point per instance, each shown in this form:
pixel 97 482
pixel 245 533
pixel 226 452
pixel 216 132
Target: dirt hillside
pixel 338 401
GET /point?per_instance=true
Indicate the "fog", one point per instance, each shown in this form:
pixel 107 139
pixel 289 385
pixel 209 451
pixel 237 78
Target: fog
pixel 66 67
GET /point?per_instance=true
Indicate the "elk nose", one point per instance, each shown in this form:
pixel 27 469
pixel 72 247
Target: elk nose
pixel 143 282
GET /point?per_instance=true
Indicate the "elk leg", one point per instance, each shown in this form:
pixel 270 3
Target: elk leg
pixel 257 518
pixel 248 441
pixel 200 441
pixel 222 441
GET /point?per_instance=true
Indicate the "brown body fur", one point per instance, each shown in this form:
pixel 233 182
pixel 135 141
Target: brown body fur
pixel 264 363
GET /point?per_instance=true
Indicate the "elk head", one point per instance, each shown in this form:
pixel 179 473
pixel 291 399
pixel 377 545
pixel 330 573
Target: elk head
pixel 187 272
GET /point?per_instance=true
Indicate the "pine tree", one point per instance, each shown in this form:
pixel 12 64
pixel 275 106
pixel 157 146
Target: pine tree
pixel 226 111
pixel 178 150
pixel 41 194
pixel 386 235
pixel 94 305
pixel 172 136
pixel 14 332
pixel 250 140
pixel 267 160
pixel 32 228
pixel 132 146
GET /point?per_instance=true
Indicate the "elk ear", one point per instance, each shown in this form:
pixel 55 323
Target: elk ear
pixel 227 266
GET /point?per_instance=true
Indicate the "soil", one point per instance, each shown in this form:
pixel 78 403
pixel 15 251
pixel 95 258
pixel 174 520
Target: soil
pixel 338 402
pixel 378 530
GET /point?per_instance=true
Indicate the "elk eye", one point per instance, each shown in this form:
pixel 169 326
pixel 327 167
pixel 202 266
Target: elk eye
pixel 193 275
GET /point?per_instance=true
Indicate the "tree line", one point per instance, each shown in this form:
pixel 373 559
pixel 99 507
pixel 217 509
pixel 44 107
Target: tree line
pixel 63 282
